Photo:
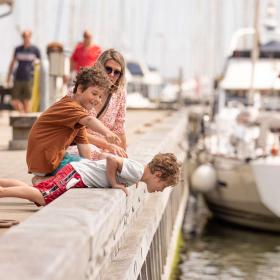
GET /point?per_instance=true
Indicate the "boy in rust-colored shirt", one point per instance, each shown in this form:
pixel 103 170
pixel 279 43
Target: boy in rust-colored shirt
pixel 65 122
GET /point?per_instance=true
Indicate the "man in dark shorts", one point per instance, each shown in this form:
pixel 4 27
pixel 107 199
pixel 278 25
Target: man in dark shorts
pixel 24 56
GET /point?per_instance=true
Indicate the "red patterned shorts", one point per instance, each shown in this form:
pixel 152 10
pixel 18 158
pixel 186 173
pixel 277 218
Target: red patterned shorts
pixel 64 179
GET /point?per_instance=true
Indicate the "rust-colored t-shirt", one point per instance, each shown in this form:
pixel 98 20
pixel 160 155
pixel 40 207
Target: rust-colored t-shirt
pixel 52 134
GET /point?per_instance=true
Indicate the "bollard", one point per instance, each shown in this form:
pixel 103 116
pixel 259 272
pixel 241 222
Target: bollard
pixel 21 126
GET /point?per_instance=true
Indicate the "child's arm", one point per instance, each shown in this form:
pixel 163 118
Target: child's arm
pixel 104 145
pixel 96 125
pixel 84 150
pixel 114 165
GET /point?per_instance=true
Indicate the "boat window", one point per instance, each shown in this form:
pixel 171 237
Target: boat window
pixel 271 101
pixel 268 50
pixel 134 69
pixel 145 90
pixel 241 53
pixel 236 97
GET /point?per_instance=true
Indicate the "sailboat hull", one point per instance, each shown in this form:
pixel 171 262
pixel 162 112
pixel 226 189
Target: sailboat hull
pixel 236 199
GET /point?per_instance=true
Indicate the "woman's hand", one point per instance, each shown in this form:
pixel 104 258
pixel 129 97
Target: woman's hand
pixel 112 138
pixel 116 150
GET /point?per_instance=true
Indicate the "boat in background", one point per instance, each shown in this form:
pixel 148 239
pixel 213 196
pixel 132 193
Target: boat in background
pixel 143 85
pixel 236 160
pixel 147 89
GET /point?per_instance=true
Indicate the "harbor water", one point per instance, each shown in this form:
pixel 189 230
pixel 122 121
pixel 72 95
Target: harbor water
pixel 221 251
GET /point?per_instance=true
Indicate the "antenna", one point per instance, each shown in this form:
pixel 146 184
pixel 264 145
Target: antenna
pixel 255 50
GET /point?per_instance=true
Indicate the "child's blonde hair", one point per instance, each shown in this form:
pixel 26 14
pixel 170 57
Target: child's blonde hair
pixel 92 76
pixel 168 166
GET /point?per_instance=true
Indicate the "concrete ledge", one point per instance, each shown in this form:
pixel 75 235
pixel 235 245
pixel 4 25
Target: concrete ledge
pixel 24 120
pixel 81 234
pixel 128 262
pixel 21 126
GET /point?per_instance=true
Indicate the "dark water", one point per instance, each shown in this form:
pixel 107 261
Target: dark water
pixel 225 252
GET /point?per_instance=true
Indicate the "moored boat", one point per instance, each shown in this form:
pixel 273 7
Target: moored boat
pixel 232 163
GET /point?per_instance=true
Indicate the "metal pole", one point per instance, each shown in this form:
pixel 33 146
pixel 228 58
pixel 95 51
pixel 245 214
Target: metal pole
pixel 180 91
pixel 255 50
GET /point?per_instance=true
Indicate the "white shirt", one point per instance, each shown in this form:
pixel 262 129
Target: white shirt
pixel 93 173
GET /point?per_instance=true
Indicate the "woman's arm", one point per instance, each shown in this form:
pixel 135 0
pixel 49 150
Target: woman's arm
pixel 84 150
pixel 104 145
pixel 123 141
pixel 98 141
pixel 119 126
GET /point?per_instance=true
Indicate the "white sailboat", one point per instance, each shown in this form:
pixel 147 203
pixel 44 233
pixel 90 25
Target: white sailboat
pixel 238 166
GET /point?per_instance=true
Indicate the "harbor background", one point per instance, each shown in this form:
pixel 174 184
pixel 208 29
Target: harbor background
pixel 187 34
pixel 223 251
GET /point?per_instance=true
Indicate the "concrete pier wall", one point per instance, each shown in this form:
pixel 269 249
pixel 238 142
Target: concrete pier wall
pixel 101 234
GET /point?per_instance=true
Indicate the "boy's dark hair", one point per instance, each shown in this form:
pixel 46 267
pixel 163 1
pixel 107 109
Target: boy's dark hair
pixel 92 76
pixel 168 165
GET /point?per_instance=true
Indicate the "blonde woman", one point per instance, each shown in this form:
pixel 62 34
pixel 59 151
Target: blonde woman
pixel 112 110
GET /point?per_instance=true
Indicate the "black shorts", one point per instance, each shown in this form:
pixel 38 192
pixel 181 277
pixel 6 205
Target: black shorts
pixel 22 90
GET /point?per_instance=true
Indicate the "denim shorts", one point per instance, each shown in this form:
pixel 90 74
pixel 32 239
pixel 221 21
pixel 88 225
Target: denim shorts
pixel 67 159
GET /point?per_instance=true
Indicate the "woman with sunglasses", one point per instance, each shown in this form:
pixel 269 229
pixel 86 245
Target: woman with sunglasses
pixel 112 110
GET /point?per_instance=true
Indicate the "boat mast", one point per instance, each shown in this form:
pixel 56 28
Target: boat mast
pixel 255 50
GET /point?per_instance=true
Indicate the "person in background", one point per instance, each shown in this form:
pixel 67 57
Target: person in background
pixel 112 109
pixel 119 173
pixel 85 53
pixel 23 61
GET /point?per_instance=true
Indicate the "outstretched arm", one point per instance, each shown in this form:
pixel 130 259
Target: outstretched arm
pixel 84 150
pixel 114 165
pixel 104 145
pixel 96 125
pixel 16 188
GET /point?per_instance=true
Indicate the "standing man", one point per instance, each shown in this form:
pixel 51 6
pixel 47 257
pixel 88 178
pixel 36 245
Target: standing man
pixel 24 56
pixel 85 53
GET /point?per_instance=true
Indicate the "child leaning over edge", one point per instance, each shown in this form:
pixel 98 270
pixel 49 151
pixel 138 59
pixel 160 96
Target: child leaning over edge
pixel 161 172
pixel 65 122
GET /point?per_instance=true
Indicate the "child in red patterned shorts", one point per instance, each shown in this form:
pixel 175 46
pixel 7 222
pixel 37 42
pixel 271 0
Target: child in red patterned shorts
pixel 113 172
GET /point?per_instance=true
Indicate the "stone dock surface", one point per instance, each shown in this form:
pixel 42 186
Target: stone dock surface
pixel 93 233
pixel 13 164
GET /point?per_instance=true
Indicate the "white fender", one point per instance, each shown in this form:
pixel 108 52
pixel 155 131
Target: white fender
pixel 204 178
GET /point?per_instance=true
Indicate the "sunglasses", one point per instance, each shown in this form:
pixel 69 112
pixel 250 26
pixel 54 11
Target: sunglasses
pixel 115 72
